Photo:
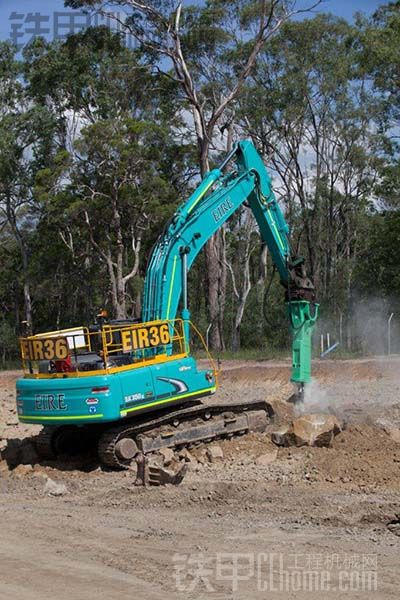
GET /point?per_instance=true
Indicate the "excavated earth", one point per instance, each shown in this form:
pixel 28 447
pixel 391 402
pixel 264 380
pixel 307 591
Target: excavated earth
pixel 240 526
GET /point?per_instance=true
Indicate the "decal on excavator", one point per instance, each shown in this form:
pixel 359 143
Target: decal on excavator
pixel 222 209
pixel 145 337
pixel 45 349
pixel 50 402
pixel 180 386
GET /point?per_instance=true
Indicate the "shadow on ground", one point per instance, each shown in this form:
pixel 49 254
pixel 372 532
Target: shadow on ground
pixel 23 452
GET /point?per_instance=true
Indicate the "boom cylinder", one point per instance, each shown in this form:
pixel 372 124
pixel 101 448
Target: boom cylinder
pixel 185 310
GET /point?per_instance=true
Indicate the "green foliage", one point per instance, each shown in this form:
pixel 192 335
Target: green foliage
pixel 8 342
pixel 380 51
pixel 378 265
pixel 96 152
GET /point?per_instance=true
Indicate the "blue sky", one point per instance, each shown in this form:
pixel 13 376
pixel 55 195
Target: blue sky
pixel 52 21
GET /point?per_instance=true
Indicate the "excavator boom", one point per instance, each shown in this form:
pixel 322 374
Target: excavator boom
pixel 200 217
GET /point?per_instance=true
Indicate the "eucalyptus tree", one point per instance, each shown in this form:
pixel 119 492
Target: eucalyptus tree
pixel 208 51
pixel 26 143
pixel 108 188
pixel 379 61
pixel 312 113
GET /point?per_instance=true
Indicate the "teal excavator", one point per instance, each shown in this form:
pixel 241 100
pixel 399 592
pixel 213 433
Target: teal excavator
pixel 134 387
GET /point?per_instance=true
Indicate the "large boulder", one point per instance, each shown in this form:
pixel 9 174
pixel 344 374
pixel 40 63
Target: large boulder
pixel 315 430
pixel 308 430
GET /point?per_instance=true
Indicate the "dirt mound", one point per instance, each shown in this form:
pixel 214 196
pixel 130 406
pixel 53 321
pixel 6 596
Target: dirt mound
pixel 324 370
pixel 257 374
pixel 361 456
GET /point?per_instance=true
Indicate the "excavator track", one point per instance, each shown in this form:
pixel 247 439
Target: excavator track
pixel 44 443
pixel 69 440
pixel 185 427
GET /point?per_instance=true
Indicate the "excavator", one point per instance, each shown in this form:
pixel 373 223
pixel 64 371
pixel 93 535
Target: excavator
pixel 134 387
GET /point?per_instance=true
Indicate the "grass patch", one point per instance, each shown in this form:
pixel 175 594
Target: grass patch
pixel 260 354
pixel 246 354
pixel 10 365
pixel 343 354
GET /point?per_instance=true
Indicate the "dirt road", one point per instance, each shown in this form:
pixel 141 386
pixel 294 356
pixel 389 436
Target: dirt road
pixel 316 521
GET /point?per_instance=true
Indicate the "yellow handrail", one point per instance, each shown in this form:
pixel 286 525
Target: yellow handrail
pixel 107 343
pixel 215 370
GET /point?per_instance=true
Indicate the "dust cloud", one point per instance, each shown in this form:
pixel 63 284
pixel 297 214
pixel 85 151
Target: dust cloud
pixel 363 329
pixel 316 399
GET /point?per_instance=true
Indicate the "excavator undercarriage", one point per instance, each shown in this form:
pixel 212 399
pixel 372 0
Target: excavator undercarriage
pixel 130 444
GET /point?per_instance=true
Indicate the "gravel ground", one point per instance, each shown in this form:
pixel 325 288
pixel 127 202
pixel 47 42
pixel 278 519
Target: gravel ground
pixel 234 528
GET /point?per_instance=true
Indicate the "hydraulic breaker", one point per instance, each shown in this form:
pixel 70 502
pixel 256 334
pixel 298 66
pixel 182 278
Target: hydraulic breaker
pixel 302 315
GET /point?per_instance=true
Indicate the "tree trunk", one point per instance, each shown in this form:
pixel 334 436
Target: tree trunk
pixel 238 319
pixel 28 306
pixel 121 312
pixel 27 291
pixel 236 338
pixel 216 287
pixel 215 273
pixel 120 308
pixel 242 299
pixel 350 316
pixel 137 308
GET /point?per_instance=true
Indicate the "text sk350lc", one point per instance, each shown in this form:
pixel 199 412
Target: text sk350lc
pixel 133 388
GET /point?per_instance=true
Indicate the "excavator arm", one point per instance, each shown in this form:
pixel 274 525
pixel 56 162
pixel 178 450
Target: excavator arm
pixel 218 196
